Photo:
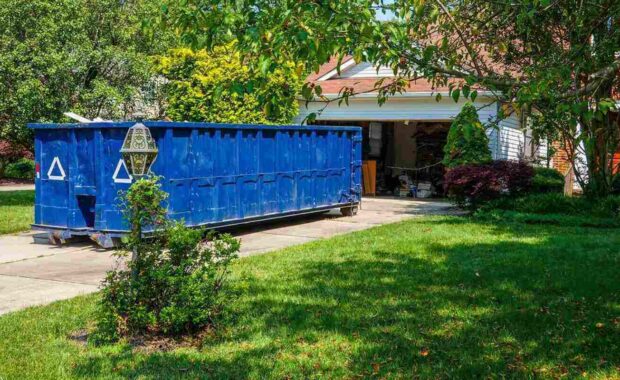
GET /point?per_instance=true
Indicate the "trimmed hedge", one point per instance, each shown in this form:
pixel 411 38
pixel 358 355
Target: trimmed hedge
pixel 551 219
pixel 553 203
pixel 547 180
pixel 22 169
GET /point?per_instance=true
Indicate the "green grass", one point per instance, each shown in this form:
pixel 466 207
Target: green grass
pixel 16 211
pixel 431 298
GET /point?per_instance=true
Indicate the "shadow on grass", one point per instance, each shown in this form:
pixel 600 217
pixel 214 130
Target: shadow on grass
pixel 516 300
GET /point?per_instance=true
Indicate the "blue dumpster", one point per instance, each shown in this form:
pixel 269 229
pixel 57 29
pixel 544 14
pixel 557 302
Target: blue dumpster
pixel 216 174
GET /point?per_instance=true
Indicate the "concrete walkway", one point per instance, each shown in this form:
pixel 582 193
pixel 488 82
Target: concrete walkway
pixel 34 274
pixel 16 187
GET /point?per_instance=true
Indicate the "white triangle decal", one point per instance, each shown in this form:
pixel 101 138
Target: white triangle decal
pixel 121 164
pixel 56 164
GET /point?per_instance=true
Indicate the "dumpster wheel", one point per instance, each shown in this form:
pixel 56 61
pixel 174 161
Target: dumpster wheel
pixel 349 211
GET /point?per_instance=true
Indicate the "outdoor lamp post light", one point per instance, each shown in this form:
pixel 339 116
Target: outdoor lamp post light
pixel 139 150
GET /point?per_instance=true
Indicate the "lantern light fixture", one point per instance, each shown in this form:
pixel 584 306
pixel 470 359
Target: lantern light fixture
pixel 139 150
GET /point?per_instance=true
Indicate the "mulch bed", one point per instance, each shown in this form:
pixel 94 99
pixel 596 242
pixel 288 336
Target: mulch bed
pixel 150 343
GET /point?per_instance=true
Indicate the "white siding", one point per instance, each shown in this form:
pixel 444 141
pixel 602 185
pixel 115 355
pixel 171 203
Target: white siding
pixel 367 70
pixel 508 141
pixel 396 108
pixel 542 149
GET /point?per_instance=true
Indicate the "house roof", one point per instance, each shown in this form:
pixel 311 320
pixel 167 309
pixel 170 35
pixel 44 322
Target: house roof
pixel 331 83
pixel 327 67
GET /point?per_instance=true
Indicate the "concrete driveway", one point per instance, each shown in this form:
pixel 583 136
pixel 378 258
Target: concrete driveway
pixel 34 274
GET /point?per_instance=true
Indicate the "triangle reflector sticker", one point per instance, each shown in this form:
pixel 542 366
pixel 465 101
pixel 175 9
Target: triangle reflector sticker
pixel 56 171
pixel 121 174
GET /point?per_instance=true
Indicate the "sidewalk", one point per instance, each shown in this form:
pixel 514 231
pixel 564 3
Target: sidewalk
pixel 16 187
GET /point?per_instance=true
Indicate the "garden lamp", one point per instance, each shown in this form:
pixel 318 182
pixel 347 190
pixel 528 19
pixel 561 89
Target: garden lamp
pixel 139 150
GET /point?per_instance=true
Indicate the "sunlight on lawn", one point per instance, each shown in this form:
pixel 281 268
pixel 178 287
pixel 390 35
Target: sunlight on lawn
pixel 434 297
pixel 16 211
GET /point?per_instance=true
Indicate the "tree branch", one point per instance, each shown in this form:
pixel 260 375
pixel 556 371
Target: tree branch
pixel 461 36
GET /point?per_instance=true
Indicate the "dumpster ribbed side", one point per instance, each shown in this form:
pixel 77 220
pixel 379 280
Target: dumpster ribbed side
pixel 216 174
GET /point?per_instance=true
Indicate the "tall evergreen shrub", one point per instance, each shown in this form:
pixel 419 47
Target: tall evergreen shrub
pixel 467 141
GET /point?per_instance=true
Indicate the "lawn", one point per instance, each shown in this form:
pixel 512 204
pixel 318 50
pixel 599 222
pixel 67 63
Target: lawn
pixel 16 211
pixel 441 297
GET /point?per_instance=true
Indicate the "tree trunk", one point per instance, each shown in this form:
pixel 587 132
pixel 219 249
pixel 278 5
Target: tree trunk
pixel 599 152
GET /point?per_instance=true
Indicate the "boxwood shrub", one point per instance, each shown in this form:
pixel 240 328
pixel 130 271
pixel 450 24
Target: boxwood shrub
pixel 547 180
pixel 22 169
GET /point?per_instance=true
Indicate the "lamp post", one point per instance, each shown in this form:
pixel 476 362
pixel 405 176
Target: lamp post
pixel 139 150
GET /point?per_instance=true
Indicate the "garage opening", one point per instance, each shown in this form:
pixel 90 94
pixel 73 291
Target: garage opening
pixel 403 157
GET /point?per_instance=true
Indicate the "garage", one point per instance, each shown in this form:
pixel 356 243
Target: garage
pixel 401 158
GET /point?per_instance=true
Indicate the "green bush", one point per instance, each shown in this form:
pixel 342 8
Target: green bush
pixel 551 219
pixel 558 204
pixel 216 86
pixel 547 180
pixel 176 280
pixel 467 141
pixel 615 185
pixel 22 169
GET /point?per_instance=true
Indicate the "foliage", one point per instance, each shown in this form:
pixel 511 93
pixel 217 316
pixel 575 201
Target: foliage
pixel 22 169
pixel 471 185
pixel 555 57
pixel 558 203
pixel 10 152
pixel 454 298
pixel 90 57
pixel 564 220
pixel 219 86
pixel 547 180
pixel 615 185
pixel 175 282
pixel 16 211
pixel 467 141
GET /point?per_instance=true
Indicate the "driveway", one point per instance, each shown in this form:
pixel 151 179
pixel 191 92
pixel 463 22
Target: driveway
pixel 35 274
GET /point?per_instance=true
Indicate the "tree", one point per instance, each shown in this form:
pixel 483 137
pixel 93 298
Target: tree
pixel 467 141
pixel 558 58
pixel 220 87
pixel 86 56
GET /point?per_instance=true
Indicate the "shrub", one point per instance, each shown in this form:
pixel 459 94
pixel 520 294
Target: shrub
pixel 471 185
pixel 175 282
pixel 10 152
pixel 559 204
pixel 516 177
pixel 606 207
pixel 615 184
pixel 503 216
pixel 547 180
pixel 217 86
pixel 467 141
pixel 22 169
pixel 546 203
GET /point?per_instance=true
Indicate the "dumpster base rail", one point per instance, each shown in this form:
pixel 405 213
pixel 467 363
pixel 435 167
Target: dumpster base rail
pixel 112 239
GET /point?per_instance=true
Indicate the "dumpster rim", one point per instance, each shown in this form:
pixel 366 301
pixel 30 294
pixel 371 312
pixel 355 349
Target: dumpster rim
pixel 192 125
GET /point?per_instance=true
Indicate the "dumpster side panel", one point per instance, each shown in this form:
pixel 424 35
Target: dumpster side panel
pixel 82 181
pixel 53 198
pixel 178 172
pixel 113 179
pixel 214 174
pixel 267 167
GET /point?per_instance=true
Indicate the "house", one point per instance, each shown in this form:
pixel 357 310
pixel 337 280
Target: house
pixel 406 135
